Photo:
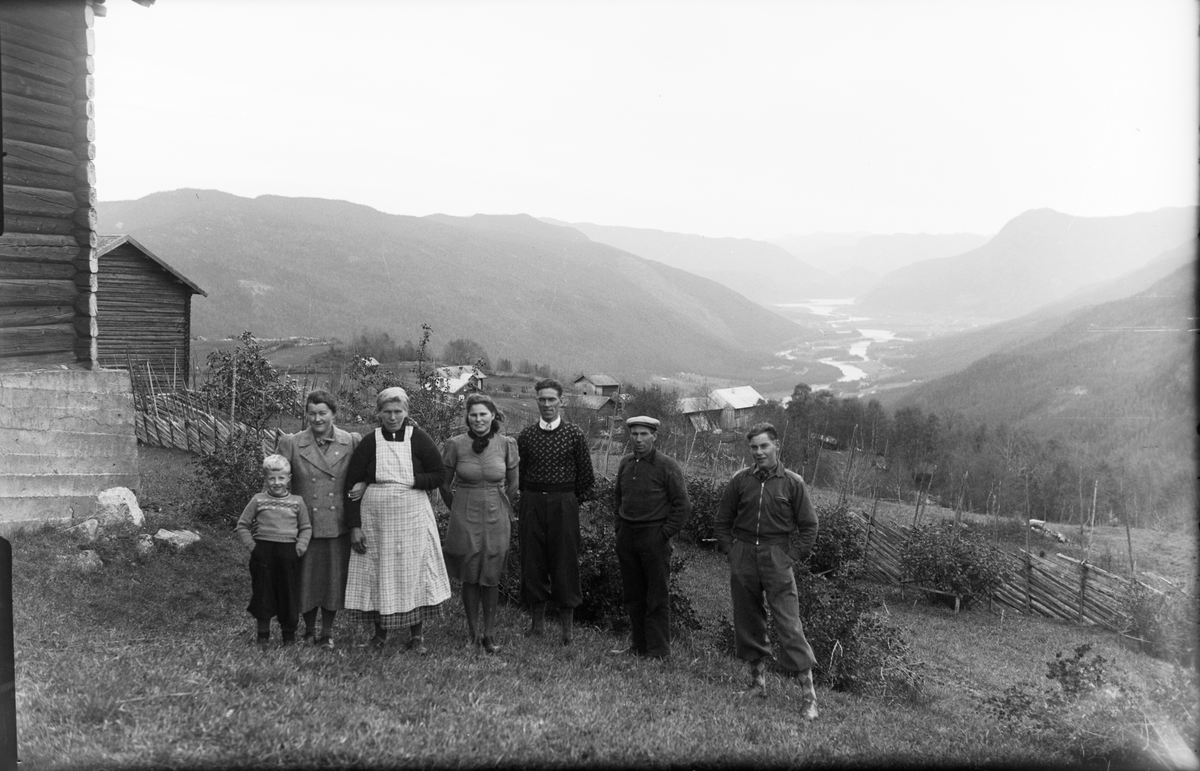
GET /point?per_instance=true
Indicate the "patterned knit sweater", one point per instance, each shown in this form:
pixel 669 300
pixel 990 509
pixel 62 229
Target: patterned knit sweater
pixel 556 461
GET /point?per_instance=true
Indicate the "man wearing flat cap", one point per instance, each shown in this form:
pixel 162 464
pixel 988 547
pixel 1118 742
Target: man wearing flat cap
pixel 651 507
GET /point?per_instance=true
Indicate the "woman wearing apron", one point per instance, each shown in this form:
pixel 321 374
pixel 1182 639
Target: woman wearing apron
pixel 397 577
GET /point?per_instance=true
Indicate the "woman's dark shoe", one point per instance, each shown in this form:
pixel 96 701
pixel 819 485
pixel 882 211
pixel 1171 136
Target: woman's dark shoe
pixel 416 644
pixel 326 643
pixel 489 646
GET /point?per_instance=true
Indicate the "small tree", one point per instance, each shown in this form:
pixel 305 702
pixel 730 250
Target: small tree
pixel 430 405
pixel 242 381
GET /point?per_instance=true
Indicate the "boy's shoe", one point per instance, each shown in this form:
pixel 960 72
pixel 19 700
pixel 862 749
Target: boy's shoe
pixel 417 645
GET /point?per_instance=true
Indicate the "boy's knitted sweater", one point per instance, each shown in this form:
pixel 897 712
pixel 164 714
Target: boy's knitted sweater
pixel 283 520
pixel 556 461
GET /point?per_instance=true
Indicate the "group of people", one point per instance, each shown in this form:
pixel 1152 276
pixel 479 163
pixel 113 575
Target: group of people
pixel 345 523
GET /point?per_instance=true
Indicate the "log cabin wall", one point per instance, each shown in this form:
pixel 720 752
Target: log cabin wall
pixel 48 249
pixel 143 314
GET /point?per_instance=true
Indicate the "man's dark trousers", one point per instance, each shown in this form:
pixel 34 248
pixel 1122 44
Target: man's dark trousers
pixel 755 570
pixel 549 544
pixel 645 559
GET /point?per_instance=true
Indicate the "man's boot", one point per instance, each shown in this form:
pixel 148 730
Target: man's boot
pixel 808 695
pixel 567 618
pixel 758 677
pixel 537 617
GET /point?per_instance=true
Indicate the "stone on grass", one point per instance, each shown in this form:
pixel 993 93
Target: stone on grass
pixel 86 561
pixel 118 504
pixel 88 529
pixel 145 544
pixel 180 539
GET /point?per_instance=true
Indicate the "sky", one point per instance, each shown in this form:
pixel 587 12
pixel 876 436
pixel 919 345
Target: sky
pixel 749 119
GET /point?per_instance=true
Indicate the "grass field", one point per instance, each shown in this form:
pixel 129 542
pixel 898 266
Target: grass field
pixel 149 662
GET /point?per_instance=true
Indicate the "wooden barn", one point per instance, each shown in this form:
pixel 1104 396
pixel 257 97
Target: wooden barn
pixel 597 385
pixel 66 425
pixel 143 310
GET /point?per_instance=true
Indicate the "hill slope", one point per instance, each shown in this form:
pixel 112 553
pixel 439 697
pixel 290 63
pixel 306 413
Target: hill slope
pixel 764 272
pixel 1038 257
pixel 522 288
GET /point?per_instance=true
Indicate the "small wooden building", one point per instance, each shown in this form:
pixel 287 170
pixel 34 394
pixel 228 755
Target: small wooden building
pixel 461 379
pixel 597 385
pixel 143 311
pixel 601 406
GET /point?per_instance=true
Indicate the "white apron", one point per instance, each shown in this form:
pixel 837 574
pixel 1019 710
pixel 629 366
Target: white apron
pixel 402 569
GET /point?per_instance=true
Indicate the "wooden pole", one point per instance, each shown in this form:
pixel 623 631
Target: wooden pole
pixel 1129 543
pixel 1092 525
pixel 1028 582
pixel 1083 573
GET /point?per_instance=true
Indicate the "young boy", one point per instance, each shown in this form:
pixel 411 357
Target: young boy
pixel 276 528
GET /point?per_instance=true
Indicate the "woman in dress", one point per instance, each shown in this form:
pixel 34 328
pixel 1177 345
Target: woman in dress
pixel 397 577
pixel 320 457
pixel 481 481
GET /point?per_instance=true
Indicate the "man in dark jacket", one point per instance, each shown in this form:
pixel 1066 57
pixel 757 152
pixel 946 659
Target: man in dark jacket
pixel 651 507
pixel 762 507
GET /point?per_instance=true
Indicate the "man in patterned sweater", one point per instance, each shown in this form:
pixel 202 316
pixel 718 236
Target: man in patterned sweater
pixel 555 476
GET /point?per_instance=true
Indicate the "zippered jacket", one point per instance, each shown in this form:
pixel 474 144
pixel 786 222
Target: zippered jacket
pixel 766 511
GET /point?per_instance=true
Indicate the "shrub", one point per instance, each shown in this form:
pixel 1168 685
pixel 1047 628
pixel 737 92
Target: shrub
pixel 241 378
pixel 839 544
pixel 227 478
pixel 941 557
pixel 1163 623
pixel 705 494
pixel 1077 675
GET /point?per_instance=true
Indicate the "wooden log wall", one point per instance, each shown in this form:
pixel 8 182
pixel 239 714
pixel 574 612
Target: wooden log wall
pixel 47 252
pixel 143 312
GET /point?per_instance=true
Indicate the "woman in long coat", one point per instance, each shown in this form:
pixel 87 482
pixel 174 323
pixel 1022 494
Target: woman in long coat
pixel 481 482
pixel 320 458
pixel 397 576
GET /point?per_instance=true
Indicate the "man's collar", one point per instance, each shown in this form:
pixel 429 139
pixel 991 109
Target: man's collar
pixel 648 457
pixel 775 472
pixel 550 426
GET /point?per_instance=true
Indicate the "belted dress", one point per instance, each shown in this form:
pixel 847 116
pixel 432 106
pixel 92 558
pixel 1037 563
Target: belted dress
pixel 481 486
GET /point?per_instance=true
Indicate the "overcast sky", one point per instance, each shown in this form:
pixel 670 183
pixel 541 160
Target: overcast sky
pixel 749 119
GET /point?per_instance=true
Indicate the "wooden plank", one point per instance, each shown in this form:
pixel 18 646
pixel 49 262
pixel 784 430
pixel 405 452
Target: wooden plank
pixel 61 20
pixel 40 247
pixel 18 177
pixel 40 156
pixel 39 135
pixel 38 66
pixel 22 223
pixel 38 112
pixel 24 341
pixel 36 315
pixel 26 269
pixel 21 85
pixel 12 31
pixel 39 202
pixel 19 292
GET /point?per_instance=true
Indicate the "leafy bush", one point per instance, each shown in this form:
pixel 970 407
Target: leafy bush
pixel 942 557
pixel 241 379
pixel 855 649
pixel 1077 675
pixel 227 478
pixel 705 494
pixel 1165 624
pixel 839 544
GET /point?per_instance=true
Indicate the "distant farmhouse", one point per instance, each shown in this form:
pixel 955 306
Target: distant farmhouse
pixel 597 385
pixel 725 408
pixel 67 426
pixel 143 311
pixel 601 406
pixel 461 379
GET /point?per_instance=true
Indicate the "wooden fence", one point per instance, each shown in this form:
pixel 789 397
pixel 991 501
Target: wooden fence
pixel 1061 588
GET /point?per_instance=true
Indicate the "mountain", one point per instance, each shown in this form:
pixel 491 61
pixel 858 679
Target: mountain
pixel 522 288
pixel 859 260
pixel 1118 373
pixel 925 360
pixel 1037 257
pixel 764 272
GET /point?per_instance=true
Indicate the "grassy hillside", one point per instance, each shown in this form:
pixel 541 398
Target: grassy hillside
pixel 149 662
pixel 522 288
pixel 1038 257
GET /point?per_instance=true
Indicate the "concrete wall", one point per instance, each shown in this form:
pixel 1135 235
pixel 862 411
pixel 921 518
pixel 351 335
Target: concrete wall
pixel 65 435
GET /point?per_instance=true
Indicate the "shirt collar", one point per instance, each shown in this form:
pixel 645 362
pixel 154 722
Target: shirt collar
pixel 549 426
pixel 761 474
pixel 648 457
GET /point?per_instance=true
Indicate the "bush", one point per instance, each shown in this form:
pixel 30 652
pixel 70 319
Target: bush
pixel 705 494
pixel 943 558
pixel 227 478
pixel 855 649
pixel 241 378
pixel 1164 624
pixel 839 544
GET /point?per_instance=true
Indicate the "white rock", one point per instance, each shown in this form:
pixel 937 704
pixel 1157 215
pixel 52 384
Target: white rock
pixel 145 544
pixel 180 539
pixel 86 561
pixel 118 504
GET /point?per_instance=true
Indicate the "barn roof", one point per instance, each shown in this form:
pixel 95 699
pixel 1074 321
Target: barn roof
pixel 588 401
pixel 692 404
pixel 105 244
pixel 599 379
pixel 739 398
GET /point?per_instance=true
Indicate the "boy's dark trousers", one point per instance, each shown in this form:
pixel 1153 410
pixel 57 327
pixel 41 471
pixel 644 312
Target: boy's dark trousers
pixel 645 559
pixel 275 584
